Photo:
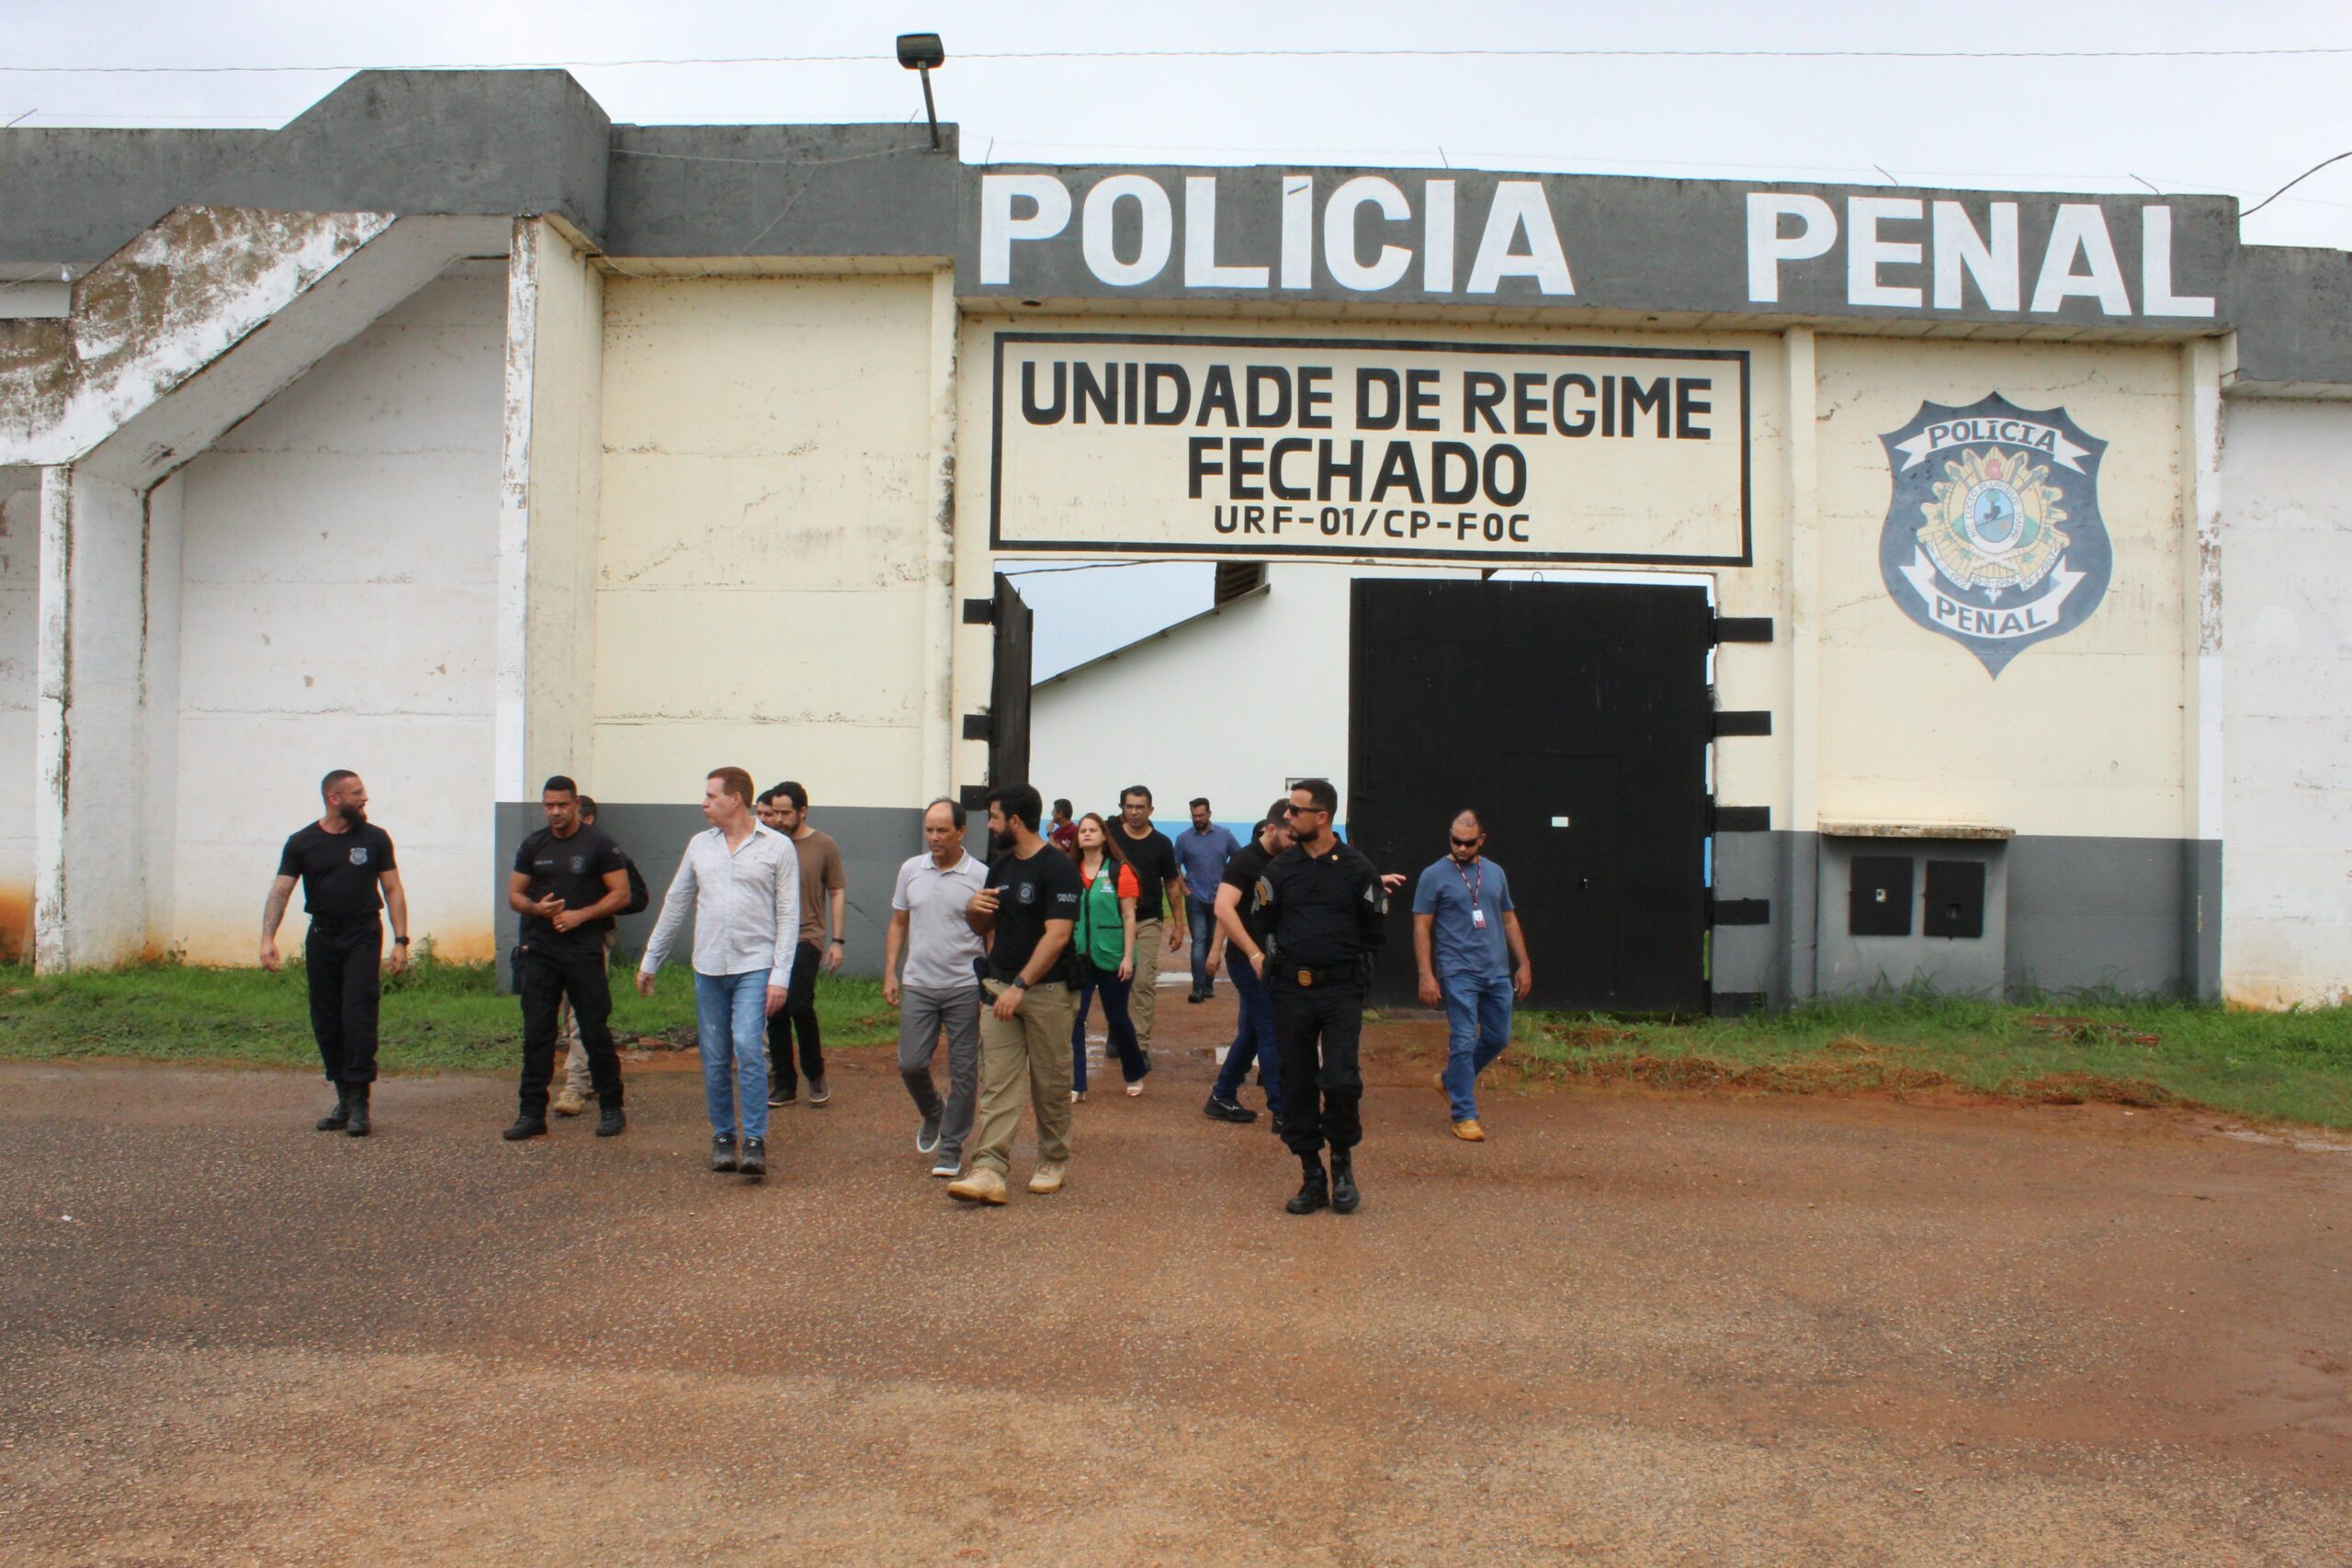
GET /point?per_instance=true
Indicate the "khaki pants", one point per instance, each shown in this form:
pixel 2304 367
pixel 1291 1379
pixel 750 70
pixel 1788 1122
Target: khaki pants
pixel 1144 1005
pixel 576 1079
pixel 1034 1046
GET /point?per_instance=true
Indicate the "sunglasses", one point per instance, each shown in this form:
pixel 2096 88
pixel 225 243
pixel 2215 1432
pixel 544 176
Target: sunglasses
pixel 1463 844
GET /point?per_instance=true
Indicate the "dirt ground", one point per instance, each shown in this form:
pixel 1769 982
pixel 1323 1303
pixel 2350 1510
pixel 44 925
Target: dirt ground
pixel 1628 1329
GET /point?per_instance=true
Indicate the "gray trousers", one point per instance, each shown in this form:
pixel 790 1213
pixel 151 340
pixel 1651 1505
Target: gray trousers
pixel 922 1013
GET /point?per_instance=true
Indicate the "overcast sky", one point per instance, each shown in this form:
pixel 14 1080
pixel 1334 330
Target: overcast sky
pixel 2241 126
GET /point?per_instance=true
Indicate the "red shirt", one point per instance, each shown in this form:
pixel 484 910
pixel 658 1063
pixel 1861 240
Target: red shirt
pixel 1064 836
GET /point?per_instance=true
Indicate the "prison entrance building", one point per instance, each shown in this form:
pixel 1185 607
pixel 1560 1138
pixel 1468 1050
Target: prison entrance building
pixel 1821 587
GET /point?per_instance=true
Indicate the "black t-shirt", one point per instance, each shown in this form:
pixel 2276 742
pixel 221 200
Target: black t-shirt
pixel 339 869
pixel 1153 860
pixel 573 870
pixel 1323 911
pixel 1043 887
pixel 1247 864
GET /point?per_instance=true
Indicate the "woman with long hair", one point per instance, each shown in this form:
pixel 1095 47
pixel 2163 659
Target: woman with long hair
pixel 1105 943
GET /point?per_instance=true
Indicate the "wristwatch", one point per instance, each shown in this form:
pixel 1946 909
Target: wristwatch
pixel 1018 984
pixel 400 942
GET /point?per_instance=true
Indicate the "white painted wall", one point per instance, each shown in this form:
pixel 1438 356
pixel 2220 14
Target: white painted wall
pixel 767 486
pixel 19 595
pixel 2079 735
pixel 340 550
pixel 2286 553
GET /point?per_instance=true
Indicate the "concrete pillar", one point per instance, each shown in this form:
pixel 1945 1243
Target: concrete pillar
pixel 939 723
pixel 95 777
pixel 2203 707
pixel 549 495
pixel 1800 841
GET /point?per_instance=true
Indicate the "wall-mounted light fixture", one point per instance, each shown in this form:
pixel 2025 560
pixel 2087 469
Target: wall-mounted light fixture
pixel 921 52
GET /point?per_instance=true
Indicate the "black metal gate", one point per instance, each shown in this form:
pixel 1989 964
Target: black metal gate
pixel 1009 687
pixel 1576 717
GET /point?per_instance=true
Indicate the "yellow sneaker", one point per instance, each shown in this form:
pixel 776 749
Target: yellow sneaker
pixel 1469 1132
pixel 981 1185
pixel 1047 1178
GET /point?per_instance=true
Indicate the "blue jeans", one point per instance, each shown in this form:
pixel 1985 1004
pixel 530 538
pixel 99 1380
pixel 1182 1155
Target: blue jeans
pixel 1200 915
pixel 1477 1017
pixel 1117 1022
pixel 732 1011
pixel 1253 1038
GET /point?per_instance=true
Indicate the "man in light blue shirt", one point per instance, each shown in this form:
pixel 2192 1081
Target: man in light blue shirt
pixel 1474 958
pixel 1202 850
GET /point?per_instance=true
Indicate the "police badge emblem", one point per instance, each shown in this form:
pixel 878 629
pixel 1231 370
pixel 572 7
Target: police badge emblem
pixel 359 855
pixel 579 864
pixel 1994 536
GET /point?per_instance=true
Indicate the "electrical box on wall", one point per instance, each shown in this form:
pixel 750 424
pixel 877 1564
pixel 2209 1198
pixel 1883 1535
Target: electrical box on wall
pixel 1955 902
pixel 1879 901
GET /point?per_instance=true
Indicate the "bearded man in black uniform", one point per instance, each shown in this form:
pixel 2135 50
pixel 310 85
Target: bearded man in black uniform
pixel 1322 907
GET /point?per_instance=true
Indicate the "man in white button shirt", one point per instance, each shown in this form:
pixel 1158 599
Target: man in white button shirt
pixel 940 990
pixel 742 883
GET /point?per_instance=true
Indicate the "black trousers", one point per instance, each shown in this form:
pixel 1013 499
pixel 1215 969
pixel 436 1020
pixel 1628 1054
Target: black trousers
pixel 546 977
pixel 797 1015
pixel 1316 1028
pixel 344 962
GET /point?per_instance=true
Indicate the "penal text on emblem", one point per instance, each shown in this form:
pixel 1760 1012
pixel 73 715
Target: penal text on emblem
pixel 1992 534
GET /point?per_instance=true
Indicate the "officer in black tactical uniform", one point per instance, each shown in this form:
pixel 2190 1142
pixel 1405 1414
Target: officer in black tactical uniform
pixel 1322 907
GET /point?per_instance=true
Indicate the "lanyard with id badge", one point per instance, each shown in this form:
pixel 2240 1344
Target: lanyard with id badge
pixel 1477 910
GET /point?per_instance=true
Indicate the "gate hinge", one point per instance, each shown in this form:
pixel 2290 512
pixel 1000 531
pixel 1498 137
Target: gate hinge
pixel 1739 911
pixel 1743 721
pixel 1743 628
pixel 979 727
pixel 1742 819
pixel 979 612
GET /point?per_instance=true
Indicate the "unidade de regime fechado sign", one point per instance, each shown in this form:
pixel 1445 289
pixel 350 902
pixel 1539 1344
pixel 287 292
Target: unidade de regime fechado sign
pixel 1485 452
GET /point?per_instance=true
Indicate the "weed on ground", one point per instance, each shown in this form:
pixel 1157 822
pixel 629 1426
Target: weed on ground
pixel 439 1016
pixel 2293 1066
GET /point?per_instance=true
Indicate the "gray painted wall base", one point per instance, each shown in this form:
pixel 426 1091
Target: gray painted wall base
pixel 2138 916
pixel 874 840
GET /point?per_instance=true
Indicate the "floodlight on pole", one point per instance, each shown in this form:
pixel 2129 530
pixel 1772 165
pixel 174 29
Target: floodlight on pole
pixel 921 52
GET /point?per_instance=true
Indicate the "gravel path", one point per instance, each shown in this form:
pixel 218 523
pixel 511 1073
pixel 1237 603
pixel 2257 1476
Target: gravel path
pixel 1625 1330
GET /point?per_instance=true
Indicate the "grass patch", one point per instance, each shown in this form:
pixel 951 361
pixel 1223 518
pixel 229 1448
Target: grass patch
pixel 439 1017
pixel 2294 1066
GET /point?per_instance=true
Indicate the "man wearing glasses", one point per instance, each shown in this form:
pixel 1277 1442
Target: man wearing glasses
pixel 1473 957
pixel 1321 907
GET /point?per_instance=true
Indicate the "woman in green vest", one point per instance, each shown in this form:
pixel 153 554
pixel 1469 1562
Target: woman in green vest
pixel 1105 943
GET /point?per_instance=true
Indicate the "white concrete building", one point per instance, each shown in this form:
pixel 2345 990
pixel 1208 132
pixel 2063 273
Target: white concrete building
pixel 1949 569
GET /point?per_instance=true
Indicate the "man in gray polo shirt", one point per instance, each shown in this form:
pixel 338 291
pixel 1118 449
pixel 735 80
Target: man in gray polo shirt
pixel 939 989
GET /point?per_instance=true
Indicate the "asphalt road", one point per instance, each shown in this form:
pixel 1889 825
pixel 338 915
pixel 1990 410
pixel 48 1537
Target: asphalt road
pixel 1626 1330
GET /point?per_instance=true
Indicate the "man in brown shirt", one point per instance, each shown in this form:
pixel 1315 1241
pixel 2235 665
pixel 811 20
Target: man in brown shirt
pixel 824 901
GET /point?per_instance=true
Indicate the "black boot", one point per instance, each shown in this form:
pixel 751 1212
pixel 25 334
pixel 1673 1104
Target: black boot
pixel 525 1125
pixel 722 1151
pixel 609 1119
pixel 1315 1192
pixel 356 1126
pixel 1345 1199
pixel 755 1157
pixel 335 1120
